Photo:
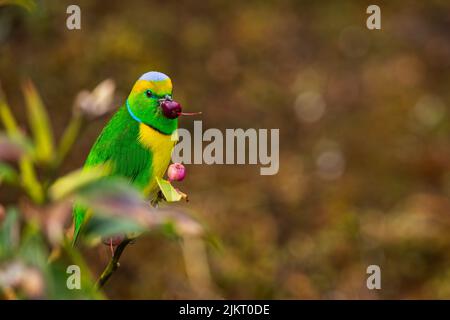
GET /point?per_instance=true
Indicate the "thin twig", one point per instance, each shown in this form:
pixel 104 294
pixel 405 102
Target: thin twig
pixel 113 264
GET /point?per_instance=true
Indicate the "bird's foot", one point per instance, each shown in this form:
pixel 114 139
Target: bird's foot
pixel 159 196
pixel 111 247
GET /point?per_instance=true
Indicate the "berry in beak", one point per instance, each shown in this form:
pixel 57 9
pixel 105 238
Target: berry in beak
pixel 171 109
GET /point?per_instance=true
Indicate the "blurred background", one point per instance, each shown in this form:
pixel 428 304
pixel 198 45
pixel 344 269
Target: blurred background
pixel 364 137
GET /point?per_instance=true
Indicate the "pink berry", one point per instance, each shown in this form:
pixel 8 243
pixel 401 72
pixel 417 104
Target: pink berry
pixel 176 172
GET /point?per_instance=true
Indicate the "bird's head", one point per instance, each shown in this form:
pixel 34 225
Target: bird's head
pixel 150 102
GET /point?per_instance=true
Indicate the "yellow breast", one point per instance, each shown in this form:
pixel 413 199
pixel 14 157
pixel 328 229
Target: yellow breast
pixel 161 146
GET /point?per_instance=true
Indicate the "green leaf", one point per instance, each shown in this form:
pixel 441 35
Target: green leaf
pixel 33 249
pixel 113 187
pixel 17 148
pixel 74 181
pixel 40 124
pixel 168 190
pixel 30 181
pixel 68 138
pixel 106 226
pixel 9 122
pixel 28 175
pixel 9 233
pixel 115 197
pixel 8 174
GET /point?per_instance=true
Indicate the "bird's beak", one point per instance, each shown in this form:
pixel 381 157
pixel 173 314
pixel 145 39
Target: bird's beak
pixel 166 98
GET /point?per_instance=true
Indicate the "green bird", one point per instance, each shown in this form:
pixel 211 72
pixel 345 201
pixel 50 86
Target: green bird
pixel 137 142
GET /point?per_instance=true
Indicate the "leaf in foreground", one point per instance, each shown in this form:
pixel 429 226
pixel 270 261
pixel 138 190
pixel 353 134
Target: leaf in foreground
pixel 169 192
pixel 69 184
pixel 40 123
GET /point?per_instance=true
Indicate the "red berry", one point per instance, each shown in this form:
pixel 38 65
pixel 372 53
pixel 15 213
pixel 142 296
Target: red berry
pixel 171 109
pixel 176 172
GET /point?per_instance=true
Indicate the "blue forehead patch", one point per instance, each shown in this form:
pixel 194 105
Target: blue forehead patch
pixel 154 76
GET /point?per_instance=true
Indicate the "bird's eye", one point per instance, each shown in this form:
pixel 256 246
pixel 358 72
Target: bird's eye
pixel 148 93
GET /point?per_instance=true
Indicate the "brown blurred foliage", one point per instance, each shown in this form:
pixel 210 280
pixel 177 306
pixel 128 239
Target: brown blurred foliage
pixel 364 135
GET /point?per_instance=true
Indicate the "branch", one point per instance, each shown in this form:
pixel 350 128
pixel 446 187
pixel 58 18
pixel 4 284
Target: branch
pixel 114 261
pixel 113 264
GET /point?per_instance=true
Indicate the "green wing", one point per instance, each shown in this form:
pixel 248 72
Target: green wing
pixel 118 145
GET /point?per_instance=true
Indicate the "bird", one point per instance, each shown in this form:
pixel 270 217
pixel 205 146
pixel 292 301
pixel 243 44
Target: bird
pixel 137 142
